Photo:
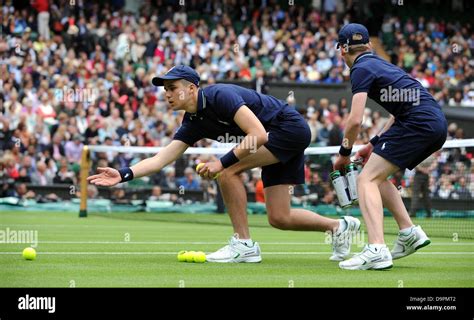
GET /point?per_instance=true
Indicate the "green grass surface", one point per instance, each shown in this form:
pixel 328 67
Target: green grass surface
pixel 94 252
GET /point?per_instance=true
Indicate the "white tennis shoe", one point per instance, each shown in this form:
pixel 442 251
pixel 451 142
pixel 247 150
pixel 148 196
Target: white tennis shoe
pixel 370 258
pixel 236 252
pixel 342 240
pixel 409 243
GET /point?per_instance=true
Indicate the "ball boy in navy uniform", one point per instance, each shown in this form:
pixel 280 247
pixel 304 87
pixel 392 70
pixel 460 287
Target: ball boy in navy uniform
pixel 416 129
pixel 274 138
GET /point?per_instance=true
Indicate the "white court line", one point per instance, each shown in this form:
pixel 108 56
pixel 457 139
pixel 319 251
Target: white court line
pixel 71 226
pixel 210 242
pixel 174 253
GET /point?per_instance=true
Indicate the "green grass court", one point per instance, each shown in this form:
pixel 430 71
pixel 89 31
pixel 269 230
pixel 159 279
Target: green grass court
pixel 94 252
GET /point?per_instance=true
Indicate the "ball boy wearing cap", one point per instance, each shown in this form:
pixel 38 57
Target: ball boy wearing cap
pixel 417 128
pixel 274 137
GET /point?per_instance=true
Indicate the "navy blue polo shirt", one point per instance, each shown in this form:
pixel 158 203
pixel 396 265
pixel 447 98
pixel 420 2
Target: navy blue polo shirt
pixel 388 85
pixel 217 105
pixel 420 127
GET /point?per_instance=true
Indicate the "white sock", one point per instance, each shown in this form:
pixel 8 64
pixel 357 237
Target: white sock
pixel 247 242
pixel 406 231
pixel 376 246
pixel 342 226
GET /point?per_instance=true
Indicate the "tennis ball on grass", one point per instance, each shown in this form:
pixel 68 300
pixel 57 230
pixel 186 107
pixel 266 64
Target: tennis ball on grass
pixel 189 256
pixel 199 257
pixel 29 253
pixel 181 256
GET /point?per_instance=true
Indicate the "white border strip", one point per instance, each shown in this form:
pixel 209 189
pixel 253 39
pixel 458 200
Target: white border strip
pixel 217 151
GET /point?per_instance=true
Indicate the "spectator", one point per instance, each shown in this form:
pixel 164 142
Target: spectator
pixel 64 176
pixel 444 191
pixel 323 133
pixel 336 134
pixel 42 176
pixel 22 192
pixel 461 191
pixel 188 182
pixel 314 126
pixel 316 187
pixel 42 6
pixel 56 148
pixel 421 185
pixel 119 196
pixel 157 195
pixel 259 84
pixel 73 149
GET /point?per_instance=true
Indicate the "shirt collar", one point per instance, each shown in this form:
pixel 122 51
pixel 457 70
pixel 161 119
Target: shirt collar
pixel 360 56
pixel 201 101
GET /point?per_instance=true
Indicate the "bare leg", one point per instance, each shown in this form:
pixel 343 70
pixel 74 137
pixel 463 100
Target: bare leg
pixel 233 191
pixel 393 201
pixel 374 173
pixel 281 216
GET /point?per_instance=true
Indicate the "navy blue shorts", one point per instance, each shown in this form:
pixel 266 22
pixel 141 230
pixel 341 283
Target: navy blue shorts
pixel 288 136
pixel 413 138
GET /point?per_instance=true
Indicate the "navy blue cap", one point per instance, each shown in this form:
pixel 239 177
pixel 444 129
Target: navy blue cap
pixel 176 73
pixel 351 34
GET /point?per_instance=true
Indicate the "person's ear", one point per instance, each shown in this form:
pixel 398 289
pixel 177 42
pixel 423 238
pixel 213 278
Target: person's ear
pixel 344 49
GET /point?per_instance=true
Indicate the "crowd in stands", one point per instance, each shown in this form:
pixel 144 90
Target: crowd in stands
pixel 76 75
pixel 437 53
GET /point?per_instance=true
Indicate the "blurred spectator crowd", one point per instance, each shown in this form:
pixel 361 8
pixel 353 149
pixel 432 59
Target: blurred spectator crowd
pixel 437 53
pixel 81 74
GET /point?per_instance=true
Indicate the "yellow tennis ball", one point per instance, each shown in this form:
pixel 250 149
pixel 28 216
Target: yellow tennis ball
pixel 181 256
pixel 200 165
pixel 189 256
pixel 29 253
pixel 200 257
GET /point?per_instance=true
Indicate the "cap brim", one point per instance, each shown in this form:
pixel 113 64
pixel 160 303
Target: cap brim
pixel 159 81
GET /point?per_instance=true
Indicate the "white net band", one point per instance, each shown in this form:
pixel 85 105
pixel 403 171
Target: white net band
pixel 219 151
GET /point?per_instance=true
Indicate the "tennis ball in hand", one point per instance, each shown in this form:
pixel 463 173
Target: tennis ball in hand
pixel 181 256
pixel 189 256
pixel 29 253
pixel 200 165
pixel 199 257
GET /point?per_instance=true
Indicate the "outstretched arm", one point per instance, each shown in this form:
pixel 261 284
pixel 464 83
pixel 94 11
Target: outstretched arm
pixel 166 156
pixel 110 176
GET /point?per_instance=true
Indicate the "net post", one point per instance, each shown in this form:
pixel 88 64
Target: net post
pixel 85 163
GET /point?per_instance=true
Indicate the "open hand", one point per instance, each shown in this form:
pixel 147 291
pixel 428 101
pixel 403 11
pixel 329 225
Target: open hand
pixel 105 177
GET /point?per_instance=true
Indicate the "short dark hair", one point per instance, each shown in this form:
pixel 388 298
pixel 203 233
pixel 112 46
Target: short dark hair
pixel 357 48
pixel 187 83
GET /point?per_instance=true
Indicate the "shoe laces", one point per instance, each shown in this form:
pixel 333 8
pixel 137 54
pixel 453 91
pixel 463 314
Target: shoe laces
pixel 231 243
pixel 366 247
